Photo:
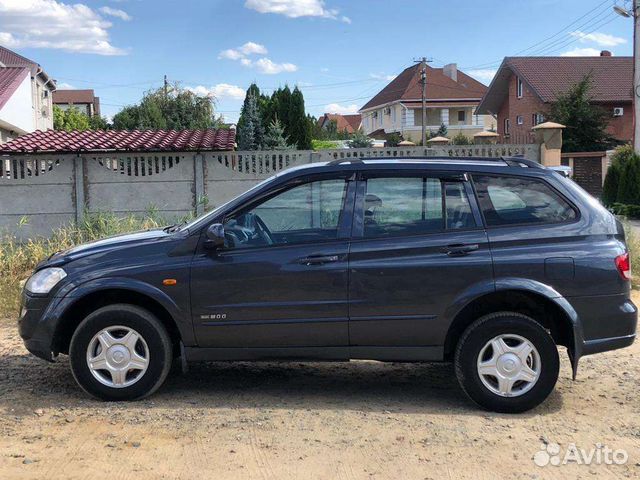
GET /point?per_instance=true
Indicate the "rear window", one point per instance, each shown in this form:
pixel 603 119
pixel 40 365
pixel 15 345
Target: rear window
pixel 518 200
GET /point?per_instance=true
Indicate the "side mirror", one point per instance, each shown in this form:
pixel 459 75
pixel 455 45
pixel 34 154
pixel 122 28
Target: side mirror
pixel 215 236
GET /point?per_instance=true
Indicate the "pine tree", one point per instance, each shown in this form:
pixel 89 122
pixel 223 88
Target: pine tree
pixel 629 188
pixel 299 129
pixel 274 139
pixel 250 132
pixel 360 140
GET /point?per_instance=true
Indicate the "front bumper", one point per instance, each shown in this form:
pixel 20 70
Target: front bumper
pixel 36 334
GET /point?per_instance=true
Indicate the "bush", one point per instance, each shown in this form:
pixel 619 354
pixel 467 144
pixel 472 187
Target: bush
pixel 621 173
pixel 360 140
pixel 629 186
pixel 393 139
pixel 625 210
pixel 461 139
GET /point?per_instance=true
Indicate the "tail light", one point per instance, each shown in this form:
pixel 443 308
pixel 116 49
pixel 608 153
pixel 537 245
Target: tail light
pixel 624 265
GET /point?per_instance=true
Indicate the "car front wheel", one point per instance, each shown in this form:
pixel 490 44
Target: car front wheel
pixel 120 352
pixel 507 362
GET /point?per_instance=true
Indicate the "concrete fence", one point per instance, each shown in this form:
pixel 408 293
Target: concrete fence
pixel 51 190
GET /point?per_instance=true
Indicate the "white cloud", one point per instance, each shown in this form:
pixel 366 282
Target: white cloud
pixel 601 39
pixel 582 52
pixel 53 24
pixel 265 65
pixel 296 8
pixel 382 76
pixel 337 108
pixel 65 86
pixel 116 12
pixel 483 74
pixel 249 48
pixel 219 91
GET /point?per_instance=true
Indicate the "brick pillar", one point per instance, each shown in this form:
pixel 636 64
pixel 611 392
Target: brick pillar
pixel 549 137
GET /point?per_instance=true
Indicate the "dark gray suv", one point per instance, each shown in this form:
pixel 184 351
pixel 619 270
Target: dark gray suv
pixel 487 263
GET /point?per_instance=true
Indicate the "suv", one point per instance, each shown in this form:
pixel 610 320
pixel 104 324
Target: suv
pixel 487 263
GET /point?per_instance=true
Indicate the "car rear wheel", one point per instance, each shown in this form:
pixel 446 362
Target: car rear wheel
pixel 507 362
pixel 120 352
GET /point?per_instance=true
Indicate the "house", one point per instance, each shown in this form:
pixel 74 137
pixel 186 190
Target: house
pixel 344 123
pixel 84 100
pixel 525 87
pixel 451 98
pixel 25 96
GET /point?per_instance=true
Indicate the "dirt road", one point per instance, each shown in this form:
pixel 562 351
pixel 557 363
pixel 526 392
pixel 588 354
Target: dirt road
pixel 362 420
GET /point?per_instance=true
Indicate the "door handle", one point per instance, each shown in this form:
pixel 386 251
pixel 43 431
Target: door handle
pixel 460 249
pixel 318 259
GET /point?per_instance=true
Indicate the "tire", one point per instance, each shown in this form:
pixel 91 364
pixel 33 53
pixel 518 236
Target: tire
pixel 149 354
pixel 512 394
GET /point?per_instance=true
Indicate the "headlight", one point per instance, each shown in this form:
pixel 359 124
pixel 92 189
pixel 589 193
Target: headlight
pixel 44 280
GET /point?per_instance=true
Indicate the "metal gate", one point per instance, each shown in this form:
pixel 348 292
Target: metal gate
pixel 587 172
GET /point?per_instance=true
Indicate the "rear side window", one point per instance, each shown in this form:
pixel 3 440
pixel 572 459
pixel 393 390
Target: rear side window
pixel 400 206
pixel 519 200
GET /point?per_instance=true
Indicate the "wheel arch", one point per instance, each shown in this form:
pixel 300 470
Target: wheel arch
pixel 542 304
pixel 76 308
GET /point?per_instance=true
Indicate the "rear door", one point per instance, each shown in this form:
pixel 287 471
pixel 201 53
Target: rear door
pixel 418 244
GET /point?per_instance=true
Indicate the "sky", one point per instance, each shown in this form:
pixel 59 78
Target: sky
pixel 339 52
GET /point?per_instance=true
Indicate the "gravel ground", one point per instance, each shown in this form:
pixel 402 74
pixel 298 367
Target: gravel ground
pixel 309 420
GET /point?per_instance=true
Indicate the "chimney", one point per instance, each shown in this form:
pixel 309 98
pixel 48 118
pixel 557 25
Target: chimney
pixel 451 71
pixel 605 53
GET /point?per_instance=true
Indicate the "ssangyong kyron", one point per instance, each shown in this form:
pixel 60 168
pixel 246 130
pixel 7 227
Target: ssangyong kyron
pixel 487 263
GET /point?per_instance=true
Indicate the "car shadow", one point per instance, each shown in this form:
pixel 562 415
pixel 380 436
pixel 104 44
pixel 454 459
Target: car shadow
pixel 27 383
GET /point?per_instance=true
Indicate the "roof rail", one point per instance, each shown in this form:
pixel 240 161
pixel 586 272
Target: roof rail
pixel 521 162
pixel 345 160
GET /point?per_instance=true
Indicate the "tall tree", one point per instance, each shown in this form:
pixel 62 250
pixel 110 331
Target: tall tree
pixel 586 123
pixel 250 132
pixel 299 128
pixel 274 139
pixel 262 103
pixel 177 109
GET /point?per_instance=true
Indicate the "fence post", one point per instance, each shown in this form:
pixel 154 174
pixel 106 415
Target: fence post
pixel 549 137
pixel 198 180
pixel 78 176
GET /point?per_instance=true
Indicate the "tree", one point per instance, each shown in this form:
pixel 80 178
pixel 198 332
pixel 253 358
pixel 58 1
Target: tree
pixel 629 189
pixel 251 133
pixel 70 119
pixel 611 186
pixel 394 139
pixel 262 104
pixel 585 122
pixel 274 139
pixel 177 109
pixel 299 129
pixel 360 140
pixel 461 139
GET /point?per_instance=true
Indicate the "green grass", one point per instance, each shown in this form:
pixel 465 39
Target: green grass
pixel 17 259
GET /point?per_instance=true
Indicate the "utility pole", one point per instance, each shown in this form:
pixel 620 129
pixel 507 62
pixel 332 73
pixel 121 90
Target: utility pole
pixel 423 80
pixel 634 14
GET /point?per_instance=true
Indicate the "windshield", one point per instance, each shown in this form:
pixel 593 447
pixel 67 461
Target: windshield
pixel 196 222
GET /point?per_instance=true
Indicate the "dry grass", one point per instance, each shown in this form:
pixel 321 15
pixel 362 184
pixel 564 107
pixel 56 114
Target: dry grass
pixel 17 259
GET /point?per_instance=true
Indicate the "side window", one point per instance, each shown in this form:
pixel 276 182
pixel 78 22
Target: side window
pixel 305 213
pixel 518 200
pixel 400 206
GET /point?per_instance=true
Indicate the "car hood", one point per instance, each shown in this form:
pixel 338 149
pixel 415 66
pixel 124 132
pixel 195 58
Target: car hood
pixel 103 245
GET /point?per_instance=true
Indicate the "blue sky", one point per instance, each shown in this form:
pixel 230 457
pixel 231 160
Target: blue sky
pixel 340 52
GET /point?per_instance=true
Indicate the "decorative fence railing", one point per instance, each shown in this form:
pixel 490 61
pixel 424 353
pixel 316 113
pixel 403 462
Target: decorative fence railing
pixel 51 190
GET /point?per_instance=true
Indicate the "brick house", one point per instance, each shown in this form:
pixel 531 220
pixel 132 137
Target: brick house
pixel 84 100
pixel 344 123
pixel 524 87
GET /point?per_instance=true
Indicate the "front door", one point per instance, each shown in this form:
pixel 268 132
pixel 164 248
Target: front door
pixel 420 246
pixel 281 279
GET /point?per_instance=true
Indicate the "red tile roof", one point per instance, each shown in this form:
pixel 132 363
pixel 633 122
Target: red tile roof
pixel 73 96
pixel 350 123
pixel 10 79
pixel 407 86
pixel 122 140
pixel 612 78
pixel 9 58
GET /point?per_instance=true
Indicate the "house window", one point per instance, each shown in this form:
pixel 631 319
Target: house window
pixel 462 116
pixel 520 87
pixel 537 119
pixel 507 125
pixel 520 120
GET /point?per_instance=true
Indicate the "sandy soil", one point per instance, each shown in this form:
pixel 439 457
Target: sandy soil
pixel 361 420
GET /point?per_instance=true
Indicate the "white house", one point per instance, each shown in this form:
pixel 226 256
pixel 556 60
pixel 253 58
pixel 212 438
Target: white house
pixel 25 96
